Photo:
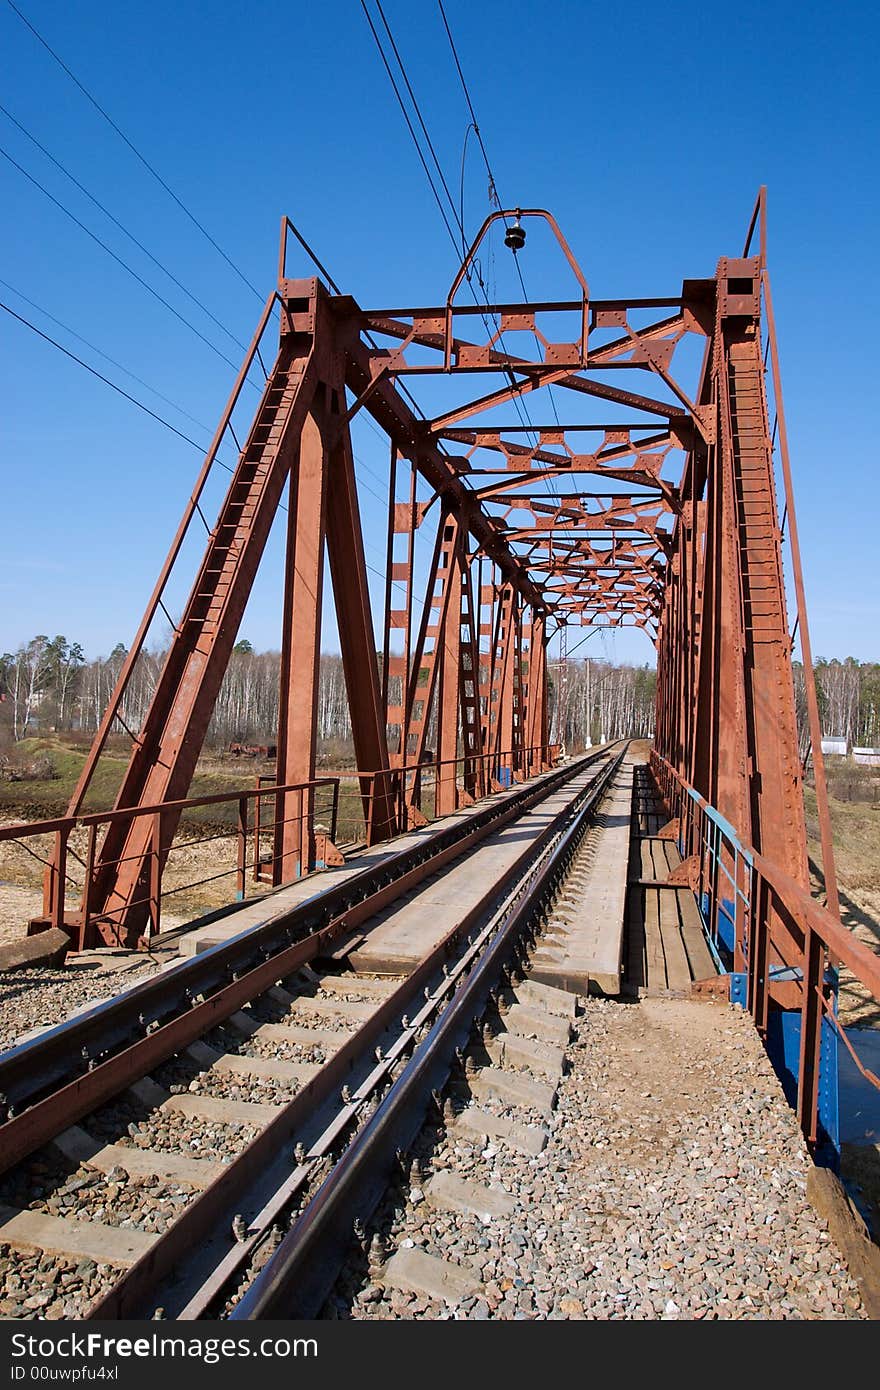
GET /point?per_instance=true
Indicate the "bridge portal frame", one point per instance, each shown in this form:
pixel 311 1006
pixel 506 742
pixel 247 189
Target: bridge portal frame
pixel 695 562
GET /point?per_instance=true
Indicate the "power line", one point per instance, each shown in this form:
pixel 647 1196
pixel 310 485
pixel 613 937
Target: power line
pixel 519 406
pixel 112 360
pixel 135 151
pixel 409 123
pixel 428 174
pixel 119 260
pixel 106 380
pixel 140 405
pixel 115 220
pixel 467 96
pixel 417 109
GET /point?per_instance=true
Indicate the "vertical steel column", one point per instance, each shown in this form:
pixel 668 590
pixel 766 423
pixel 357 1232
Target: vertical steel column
pixel 504 678
pixel 774 787
pixel 469 669
pixel 695 568
pixel 486 630
pixel 300 651
pixel 832 897
pixel 536 700
pixel 348 573
pixel 389 580
pixel 425 662
pixel 730 750
pixel 449 683
pixel 403 519
pixel 811 1036
pixel 173 730
pixel 518 738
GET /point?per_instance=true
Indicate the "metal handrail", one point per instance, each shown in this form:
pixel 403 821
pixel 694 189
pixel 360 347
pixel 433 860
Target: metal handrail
pixel 374 787
pixel 774 916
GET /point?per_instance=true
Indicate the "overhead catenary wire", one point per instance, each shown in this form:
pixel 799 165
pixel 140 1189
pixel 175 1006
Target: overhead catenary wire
pixel 521 411
pixel 134 149
pixel 457 215
pixel 409 123
pixel 467 96
pixel 493 183
pixel 425 132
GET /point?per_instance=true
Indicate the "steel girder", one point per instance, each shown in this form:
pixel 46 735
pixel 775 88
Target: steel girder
pixel 678 534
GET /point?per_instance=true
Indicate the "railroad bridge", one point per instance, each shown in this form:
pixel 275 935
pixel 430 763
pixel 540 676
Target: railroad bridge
pixel 489 861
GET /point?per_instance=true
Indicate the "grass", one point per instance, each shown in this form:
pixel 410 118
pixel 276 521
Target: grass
pixel 855 827
pixel 44 799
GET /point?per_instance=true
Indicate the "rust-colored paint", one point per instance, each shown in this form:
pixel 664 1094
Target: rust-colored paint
pixel 665 519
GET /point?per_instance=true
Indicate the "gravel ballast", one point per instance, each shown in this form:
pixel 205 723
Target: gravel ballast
pixel 673 1186
pixel 38 998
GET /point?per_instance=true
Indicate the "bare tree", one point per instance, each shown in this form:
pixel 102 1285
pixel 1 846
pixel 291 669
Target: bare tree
pixel 27 676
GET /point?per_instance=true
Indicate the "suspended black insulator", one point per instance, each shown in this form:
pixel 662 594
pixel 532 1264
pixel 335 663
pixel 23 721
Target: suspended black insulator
pixel 515 237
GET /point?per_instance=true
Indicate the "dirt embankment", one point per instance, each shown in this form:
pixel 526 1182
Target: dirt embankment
pixel 856 832
pixel 199 876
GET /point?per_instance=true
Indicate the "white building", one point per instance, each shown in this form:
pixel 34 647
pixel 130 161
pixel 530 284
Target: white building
pixel 869 757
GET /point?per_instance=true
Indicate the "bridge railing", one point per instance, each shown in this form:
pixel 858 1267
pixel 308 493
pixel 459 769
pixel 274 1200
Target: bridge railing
pixel 414 793
pixel 69 847
pixel 787 944
pixel 247 829
pixel 439 786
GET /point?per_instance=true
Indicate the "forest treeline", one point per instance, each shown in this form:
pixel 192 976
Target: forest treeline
pixel 49 685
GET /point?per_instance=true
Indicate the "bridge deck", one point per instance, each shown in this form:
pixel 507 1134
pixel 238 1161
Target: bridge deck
pixel 274 904
pixel 420 922
pixel 621 930
pixel 587 954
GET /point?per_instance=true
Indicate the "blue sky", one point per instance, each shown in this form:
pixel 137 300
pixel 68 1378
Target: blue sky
pixel 646 129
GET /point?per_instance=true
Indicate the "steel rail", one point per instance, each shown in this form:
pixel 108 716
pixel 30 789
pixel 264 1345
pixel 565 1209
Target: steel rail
pixel 49 1082
pixel 196 1254
pixel 299 1276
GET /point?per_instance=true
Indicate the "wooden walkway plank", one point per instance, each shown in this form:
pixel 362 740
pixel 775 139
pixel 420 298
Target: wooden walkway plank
pixel 678 972
pixel 700 957
pixel 654 954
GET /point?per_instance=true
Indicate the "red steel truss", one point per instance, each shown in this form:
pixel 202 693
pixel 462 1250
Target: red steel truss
pixel 650 501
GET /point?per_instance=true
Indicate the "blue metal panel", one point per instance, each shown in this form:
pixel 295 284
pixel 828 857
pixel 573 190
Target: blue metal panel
pixel 726 924
pixel 703 907
pixel 739 987
pixel 859 1099
pixel 783 1048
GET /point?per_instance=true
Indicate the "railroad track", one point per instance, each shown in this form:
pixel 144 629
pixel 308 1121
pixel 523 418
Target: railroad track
pixel 207 1140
